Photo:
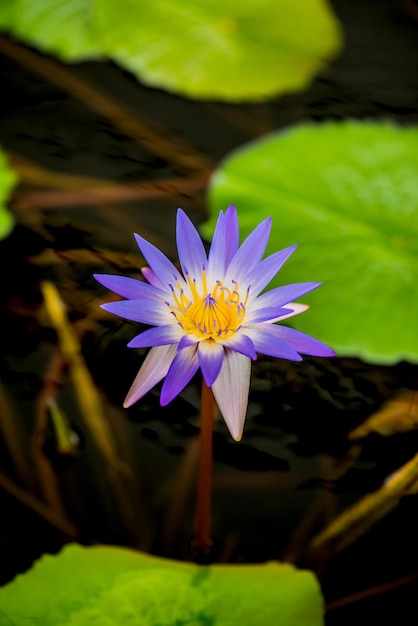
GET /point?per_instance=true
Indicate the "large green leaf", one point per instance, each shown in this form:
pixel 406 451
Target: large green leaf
pixel 230 50
pixel 347 193
pixel 8 180
pixel 63 27
pixel 106 586
pixel 221 49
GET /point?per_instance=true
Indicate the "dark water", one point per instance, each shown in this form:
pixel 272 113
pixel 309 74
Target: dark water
pixel 299 414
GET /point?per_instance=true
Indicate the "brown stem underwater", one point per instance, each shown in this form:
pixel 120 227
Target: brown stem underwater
pixel 204 480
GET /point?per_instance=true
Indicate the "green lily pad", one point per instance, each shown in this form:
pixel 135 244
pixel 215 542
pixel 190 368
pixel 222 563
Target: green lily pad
pixel 203 49
pixel 8 180
pixel 6 14
pixel 62 27
pixel 347 193
pixel 221 50
pixel 107 586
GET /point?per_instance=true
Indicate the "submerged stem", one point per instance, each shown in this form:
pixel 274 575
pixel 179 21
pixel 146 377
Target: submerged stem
pixel 204 480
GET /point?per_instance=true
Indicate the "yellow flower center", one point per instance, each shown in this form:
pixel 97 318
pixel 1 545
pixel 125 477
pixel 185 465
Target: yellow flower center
pixel 215 314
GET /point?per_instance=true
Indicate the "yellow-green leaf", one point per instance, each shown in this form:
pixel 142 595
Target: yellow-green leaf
pixel 212 49
pixel 107 586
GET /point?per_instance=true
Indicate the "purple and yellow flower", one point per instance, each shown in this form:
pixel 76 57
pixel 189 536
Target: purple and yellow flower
pixel 212 315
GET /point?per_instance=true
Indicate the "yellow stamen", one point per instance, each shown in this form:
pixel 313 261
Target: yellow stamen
pixel 215 314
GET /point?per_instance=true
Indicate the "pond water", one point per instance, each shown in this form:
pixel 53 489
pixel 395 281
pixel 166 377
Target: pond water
pixel 295 468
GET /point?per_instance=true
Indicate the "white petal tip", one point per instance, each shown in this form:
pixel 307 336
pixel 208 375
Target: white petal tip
pixel 297 309
pixel 236 434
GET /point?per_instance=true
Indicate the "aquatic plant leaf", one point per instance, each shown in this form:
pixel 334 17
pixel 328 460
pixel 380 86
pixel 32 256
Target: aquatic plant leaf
pixel 221 50
pixel 6 14
pixel 85 389
pixel 398 415
pixel 347 194
pixel 62 27
pixel 112 586
pixel 8 180
pixel 208 49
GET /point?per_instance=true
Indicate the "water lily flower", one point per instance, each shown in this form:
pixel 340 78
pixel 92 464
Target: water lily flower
pixel 212 314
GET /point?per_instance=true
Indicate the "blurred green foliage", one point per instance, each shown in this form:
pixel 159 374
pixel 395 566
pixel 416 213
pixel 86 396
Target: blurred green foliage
pixel 212 49
pixel 8 180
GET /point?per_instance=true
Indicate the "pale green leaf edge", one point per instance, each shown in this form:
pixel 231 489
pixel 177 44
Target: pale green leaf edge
pixel 8 180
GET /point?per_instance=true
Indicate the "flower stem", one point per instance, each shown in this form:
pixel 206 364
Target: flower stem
pixel 204 479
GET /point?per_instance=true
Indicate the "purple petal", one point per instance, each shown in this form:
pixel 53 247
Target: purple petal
pixel 251 251
pixel 232 234
pixel 211 356
pixel 146 311
pixel 267 269
pixel 217 252
pixel 190 248
pixel 267 342
pixel 186 341
pixel 151 277
pixel 301 342
pixel 158 336
pixel 240 343
pixel 158 262
pixel 268 314
pixel 182 370
pixel 282 295
pixel 154 368
pixel 128 287
pixel 231 391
